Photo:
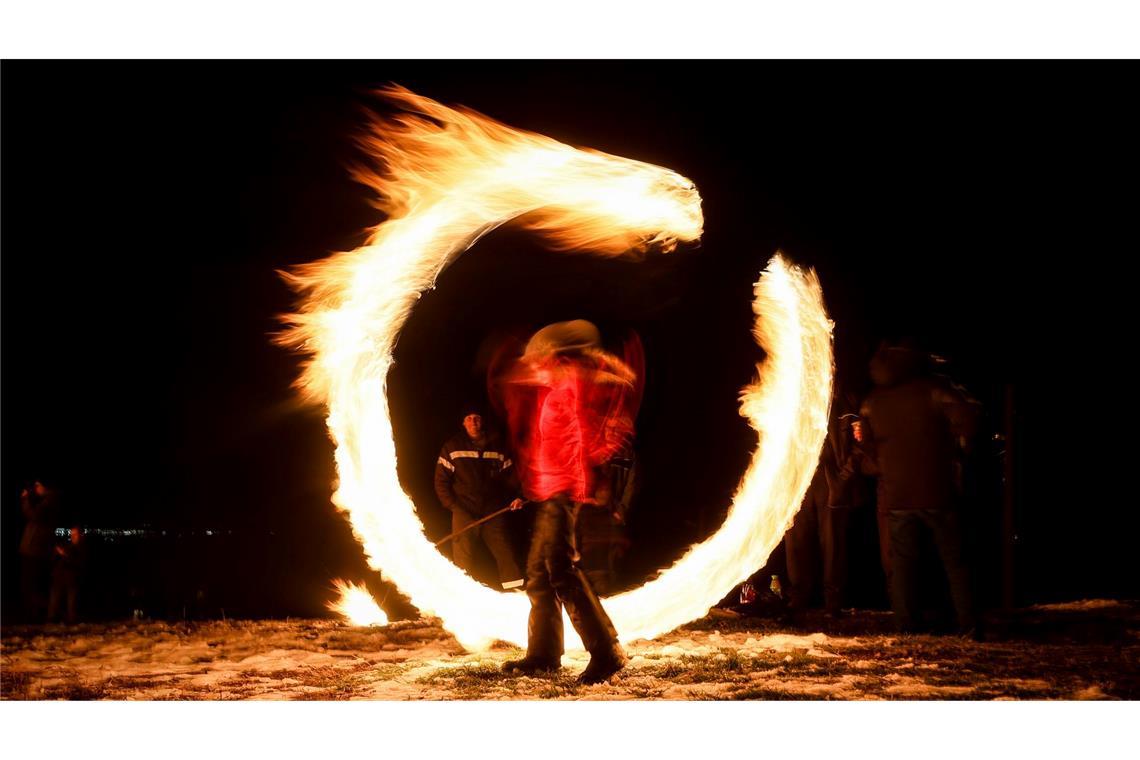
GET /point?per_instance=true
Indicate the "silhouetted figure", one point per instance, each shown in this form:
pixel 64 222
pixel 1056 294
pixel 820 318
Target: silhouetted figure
pixel 473 478
pixel 40 505
pixel 570 408
pixel 818 537
pixel 70 562
pixel 602 532
pixel 913 428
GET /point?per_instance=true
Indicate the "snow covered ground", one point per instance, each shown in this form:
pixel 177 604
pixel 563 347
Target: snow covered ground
pixel 1086 650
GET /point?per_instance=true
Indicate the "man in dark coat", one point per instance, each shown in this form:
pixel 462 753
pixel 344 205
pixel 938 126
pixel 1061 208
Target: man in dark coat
pixel 473 478
pixel 602 536
pixel 913 428
pixel 818 537
pixel 570 409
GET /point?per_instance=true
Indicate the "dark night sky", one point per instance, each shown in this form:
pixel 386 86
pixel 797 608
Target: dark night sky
pixel 146 207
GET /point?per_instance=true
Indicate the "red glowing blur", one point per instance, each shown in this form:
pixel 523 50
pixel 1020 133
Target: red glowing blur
pixel 569 410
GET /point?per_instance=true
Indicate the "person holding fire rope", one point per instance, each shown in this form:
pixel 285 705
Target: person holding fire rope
pixel 473 479
pixel 570 407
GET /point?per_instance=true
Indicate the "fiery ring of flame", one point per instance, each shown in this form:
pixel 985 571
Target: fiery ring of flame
pixel 451 178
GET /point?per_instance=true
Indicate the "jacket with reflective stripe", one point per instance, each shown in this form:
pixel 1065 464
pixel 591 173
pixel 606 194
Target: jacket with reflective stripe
pixel 473 479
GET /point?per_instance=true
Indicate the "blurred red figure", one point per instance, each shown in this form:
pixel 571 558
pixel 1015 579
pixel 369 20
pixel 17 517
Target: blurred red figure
pixel 570 407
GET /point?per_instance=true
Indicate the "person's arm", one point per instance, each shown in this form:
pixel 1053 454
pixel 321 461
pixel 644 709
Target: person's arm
pixel 962 412
pixel 865 449
pixel 512 483
pixel 445 481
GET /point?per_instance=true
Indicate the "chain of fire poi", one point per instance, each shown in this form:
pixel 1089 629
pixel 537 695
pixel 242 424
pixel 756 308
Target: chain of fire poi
pixel 445 177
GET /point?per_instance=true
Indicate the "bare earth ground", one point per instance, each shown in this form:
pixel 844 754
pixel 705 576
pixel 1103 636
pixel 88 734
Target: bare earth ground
pixel 1080 650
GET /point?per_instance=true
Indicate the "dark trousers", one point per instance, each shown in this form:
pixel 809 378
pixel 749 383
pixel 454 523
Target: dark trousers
pixel 818 537
pixel 496 536
pixel 554 581
pixel 64 590
pixel 883 520
pixel 907 527
pixel 35 578
pixel 601 542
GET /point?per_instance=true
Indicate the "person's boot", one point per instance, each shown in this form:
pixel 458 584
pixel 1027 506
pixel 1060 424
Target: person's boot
pixel 603 665
pixel 530 665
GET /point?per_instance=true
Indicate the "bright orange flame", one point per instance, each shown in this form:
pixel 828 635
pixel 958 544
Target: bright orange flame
pixel 356 605
pixel 451 176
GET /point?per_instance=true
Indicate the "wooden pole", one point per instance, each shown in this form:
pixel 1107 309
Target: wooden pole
pixel 478 522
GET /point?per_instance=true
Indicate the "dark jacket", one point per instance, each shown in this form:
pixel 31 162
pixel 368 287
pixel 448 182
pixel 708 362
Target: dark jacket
pixel 70 561
pixel 916 427
pixel 473 479
pixel 837 480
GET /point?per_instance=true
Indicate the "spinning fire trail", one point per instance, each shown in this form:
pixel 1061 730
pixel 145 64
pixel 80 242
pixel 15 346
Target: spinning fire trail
pixel 448 177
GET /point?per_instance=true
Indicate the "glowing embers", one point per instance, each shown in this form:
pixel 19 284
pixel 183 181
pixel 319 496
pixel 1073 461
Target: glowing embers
pixel 447 180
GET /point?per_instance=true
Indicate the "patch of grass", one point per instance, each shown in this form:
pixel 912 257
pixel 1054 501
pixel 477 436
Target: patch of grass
pixel 727 666
pixel 323 682
pixel 328 676
pixel 76 691
pixel 483 681
pixel 388 672
pixel 668 671
pixel 562 684
pixel 799 658
pixel 732 661
pixel 702 696
pixel 356 639
pixel 15 684
pixel 766 692
pixel 481 673
pixel 471 681
pixel 136 683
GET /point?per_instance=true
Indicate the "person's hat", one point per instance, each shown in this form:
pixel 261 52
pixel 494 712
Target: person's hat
pixel 575 335
pixel 472 407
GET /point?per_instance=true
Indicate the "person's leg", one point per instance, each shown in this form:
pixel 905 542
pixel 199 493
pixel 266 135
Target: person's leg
pixel 833 547
pixel 72 603
pixel 496 536
pixel 594 546
pixel 54 599
pixel 947 529
pixel 905 535
pixel 31 596
pixel 884 523
pixel 463 545
pixel 544 627
pixel 800 548
pixel 582 604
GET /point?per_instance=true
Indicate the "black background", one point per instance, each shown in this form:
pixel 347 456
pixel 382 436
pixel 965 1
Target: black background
pixel 985 207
